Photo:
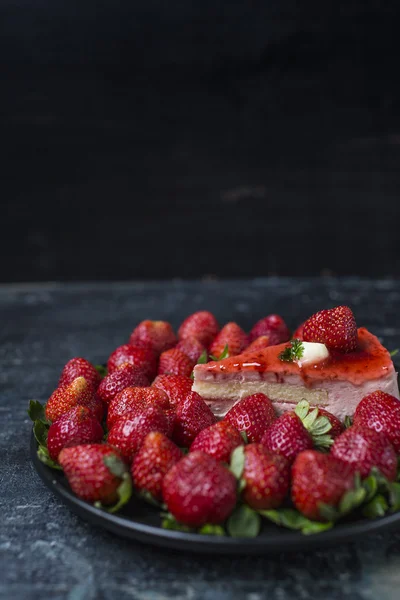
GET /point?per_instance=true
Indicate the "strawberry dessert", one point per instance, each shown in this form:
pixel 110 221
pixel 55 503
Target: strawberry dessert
pixel 334 366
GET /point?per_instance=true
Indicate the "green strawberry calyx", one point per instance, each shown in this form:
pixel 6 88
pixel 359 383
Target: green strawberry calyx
pixel 318 426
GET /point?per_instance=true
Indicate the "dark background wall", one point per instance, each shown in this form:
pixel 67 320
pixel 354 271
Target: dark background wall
pixel 185 139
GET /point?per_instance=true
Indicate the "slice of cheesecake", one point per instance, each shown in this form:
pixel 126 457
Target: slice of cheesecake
pixel 337 381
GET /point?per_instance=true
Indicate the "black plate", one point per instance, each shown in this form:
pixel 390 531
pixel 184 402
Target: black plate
pixel 140 521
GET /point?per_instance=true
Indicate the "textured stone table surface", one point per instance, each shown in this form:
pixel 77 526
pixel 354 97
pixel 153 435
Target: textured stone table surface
pixel 48 552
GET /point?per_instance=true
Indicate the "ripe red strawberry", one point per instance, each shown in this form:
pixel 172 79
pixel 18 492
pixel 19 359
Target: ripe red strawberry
pixel 202 325
pixel 77 426
pixel 155 457
pixel 192 416
pixel 380 411
pixel 337 425
pixel 364 449
pixel 79 367
pixel 125 376
pixel 170 413
pixel 130 400
pixel 267 477
pixel 199 490
pixel 231 335
pixel 287 436
pixel 335 327
pixel 65 398
pixel 142 358
pixel 156 335
pixel 218 440
pixel 191 347
pixel 175 362
pixel 177 387
pixel 272 326
pixel 253 415
pixel 128 433
pixel 259 344
pixel 317 478
pixel 95 472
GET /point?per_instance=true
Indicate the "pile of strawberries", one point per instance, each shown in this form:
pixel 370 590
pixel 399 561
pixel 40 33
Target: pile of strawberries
pixel 138 426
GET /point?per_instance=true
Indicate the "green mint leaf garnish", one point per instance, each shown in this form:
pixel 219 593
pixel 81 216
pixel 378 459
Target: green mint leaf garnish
pixel 203 358
pixel 293 352
pixel 244 522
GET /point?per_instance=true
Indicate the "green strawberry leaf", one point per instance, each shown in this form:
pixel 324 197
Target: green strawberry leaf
pixel 351 500
pixel 224 354
pixel 370 485
pixel 328 512
pixel 102 370
pixel 36 411
pixel 394 352
pixel 241 485
pixel 211 530
pixel 322 442
pixel 237 462
pixel 376 507
pixel 124 493
pixel 244 437
pixel 293 519
pixel 169 522
pixel 115 465
pixel 244 522
pixel 394 496
pixel 40 431
pixel 43 456
pixel 347 422
pixel 149 498
pixel 310 419
pixel 302 409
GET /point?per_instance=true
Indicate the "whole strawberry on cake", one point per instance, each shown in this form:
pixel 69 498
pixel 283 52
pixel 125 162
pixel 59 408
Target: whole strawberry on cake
pixel 331 363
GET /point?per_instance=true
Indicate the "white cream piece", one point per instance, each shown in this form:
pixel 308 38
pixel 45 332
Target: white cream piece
pixel 313 353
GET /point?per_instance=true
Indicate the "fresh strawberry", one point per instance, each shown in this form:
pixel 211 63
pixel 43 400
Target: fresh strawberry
pixel 156 335
pixel 336 424
pixel 335 327
pixel 191 347
pixel 175 362
pixel 319 478
pixel 287 436
pixel 199 490
pixel 126 376
pixel 78 392
pixel 272 326
pixel 364 449
pixel 170 413
pixel 231 335
pixel 218 440
pixel 77 426
pixel 253 415
pixel 142 358
pixel 155 457
pixel 95 473
pixel 298 334
pixel 258 344
pixel 128 433
pixel 131 399
pixel 192 416
pixel 380 411
pixel 266 476
pixel 79 367
pixel 202 325
pixel 177 387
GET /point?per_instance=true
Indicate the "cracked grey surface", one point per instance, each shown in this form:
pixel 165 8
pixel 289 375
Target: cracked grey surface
pixel 46 551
